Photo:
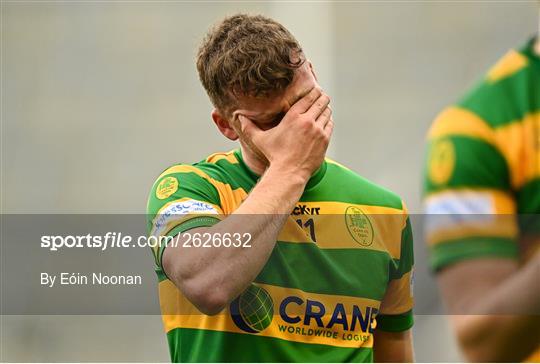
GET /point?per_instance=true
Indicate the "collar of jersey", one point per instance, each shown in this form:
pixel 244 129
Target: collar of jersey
pixel 528 50
pixel 313 181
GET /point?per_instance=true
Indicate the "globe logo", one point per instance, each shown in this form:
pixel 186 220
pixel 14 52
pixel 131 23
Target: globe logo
pixel 253 310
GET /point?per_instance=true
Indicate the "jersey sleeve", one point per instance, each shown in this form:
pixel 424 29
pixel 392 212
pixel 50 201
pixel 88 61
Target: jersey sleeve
pixel 396 311
pixel 182 198
pixel 468 199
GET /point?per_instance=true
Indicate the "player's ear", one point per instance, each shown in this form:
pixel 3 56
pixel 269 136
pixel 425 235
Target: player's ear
pixel 224 125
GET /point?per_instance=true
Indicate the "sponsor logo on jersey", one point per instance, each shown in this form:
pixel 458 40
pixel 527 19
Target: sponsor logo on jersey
pixel 305 210
pixel 166 187
pixel 359 226
pixel 442 161
pixel 253 311
pixel 171 213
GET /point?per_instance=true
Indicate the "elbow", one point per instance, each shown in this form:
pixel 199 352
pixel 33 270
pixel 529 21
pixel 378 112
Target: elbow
pixel 209 302
pixel 207 298
pixel 207 294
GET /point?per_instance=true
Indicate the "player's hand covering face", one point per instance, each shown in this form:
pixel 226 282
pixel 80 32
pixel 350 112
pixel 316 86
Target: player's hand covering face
pixel 291 131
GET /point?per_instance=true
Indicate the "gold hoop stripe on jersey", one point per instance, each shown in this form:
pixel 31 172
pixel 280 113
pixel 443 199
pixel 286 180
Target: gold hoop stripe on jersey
pixel 509 64
pixel 398 297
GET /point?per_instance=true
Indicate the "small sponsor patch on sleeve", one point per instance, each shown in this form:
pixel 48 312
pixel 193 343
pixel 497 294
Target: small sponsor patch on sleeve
pixel 453 202
pixel 451 210
pixel 177 211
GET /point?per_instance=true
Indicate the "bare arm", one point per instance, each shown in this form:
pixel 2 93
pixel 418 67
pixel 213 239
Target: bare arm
pixel 210 278
pixel 495 307
pixel 393 347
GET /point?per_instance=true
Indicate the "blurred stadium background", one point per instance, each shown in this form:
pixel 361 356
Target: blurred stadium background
pixel 99 97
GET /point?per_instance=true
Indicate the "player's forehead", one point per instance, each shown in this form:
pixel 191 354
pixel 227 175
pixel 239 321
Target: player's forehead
pixel 303 82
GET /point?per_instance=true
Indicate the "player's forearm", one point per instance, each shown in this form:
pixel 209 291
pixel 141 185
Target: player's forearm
pixel 393 347
pixel 513 296
pixel 497 338
pixel 212 277
pixel 262 216
pixel 492 328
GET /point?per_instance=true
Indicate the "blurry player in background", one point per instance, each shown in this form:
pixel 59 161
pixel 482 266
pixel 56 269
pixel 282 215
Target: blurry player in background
pixel 483 177
pixel 321 278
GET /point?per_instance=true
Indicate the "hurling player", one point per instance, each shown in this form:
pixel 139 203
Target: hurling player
pixel 280 254
pixel 482 191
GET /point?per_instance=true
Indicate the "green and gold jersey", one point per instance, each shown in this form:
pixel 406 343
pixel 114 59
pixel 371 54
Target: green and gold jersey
pixel 341 268
pixel 483 167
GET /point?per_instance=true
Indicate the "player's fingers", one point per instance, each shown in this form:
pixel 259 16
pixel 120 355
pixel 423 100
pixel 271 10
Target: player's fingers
pixel 302 105
pixel 324 117
pixel 329 128
pixel 319 106
pixel 247 127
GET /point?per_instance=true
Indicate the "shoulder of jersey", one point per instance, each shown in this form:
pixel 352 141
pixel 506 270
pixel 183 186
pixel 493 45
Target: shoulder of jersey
pixel 490 104
pixel 363 190
pixel 508 65
pixel 495 97
pixel 221 165
pixel 212 164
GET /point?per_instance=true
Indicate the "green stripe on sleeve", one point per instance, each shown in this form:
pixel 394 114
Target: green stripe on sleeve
pixel 406 259
pixel 452 251
pixel 528 198
pixel 196 222
pixel 395 323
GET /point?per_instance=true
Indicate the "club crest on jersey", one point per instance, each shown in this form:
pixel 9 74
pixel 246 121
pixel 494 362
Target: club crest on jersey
pixel 359 226
pixel 442 161
pixel 166 187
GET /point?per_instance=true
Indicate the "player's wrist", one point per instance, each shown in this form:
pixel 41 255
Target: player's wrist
pixel 288 175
